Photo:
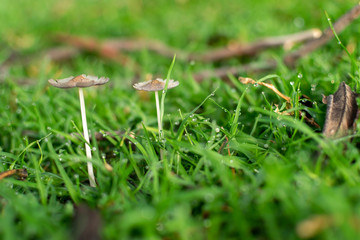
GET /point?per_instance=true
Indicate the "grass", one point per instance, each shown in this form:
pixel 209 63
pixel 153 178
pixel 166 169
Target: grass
pixel 280 170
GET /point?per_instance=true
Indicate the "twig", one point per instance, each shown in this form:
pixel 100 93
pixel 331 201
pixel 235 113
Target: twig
pixel 236 50
pixel 21 173
pixel 289 59
pixel 94 45
pixel 160 48
pixel 311 121
pixel 339 26
pixel 268 85
pixel 223 72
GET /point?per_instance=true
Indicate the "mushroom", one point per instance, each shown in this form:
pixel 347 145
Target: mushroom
pixel 156 86
pixel 80 82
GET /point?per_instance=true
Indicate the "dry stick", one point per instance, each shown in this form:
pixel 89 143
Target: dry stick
pixel 289 59
pixel 223 72
pixel 86 136
pixel 339 26
pixel 94 45
pixel 128 44
pixel 115 46
pixel 275 90
pixel 268 85
pixel 236 50
pixel 22 173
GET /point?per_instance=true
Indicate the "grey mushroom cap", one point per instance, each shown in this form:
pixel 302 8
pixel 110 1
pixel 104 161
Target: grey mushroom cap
pixel 155 85
pixel 80 81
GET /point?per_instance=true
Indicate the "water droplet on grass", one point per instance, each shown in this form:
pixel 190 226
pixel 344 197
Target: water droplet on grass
pixel 300 75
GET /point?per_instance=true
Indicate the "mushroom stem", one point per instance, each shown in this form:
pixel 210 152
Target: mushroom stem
pixel 159 121
pixel 86 136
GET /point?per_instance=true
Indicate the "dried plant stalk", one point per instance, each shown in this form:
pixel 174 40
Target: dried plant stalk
pixel 311 121
pixel 268 85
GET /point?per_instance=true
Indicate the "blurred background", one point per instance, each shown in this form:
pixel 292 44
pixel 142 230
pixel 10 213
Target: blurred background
pixel 28 27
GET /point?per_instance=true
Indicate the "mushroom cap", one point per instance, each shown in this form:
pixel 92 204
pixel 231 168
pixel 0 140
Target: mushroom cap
pixel 80 81
pixel 155 85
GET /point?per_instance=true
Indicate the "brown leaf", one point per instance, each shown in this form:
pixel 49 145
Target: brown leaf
pixel 340 113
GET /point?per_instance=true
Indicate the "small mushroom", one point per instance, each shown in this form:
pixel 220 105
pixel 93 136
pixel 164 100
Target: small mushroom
pixel 80 82
pixel 156 86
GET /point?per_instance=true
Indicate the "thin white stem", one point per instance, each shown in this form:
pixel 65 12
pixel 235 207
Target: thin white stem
pixel 86 136
pixel 159 121
pixel 158 112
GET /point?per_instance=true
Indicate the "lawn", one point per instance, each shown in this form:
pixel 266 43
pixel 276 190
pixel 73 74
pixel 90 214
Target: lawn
pixel 233 161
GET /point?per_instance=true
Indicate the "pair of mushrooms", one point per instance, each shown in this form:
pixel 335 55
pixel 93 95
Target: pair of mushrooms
pixel 83 81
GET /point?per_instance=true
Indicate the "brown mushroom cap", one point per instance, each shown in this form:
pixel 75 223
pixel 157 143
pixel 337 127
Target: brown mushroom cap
pixel 80 81
pixel 155 85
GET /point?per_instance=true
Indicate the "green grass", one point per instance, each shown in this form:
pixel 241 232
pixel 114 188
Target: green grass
pixel 280 170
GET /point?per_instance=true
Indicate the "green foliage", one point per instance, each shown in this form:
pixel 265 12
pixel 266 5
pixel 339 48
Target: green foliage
pixel 232 167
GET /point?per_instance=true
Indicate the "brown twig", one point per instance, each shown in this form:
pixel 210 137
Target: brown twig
pixel 268 85
pixel 115 46
pixel 339 26
pixel 22 174
pixel 309 120
pixel 237 50
pixel 223 72
pixel 94 45
pixel 289 59
pixel 160 48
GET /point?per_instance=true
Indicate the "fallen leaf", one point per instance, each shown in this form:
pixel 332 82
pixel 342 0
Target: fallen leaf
pixel 340 113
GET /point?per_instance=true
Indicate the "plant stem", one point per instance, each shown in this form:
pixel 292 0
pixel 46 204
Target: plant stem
pixel 86 136
pixel 159 122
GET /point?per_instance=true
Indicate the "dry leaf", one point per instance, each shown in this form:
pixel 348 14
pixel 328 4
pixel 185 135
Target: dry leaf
pixel 340 113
